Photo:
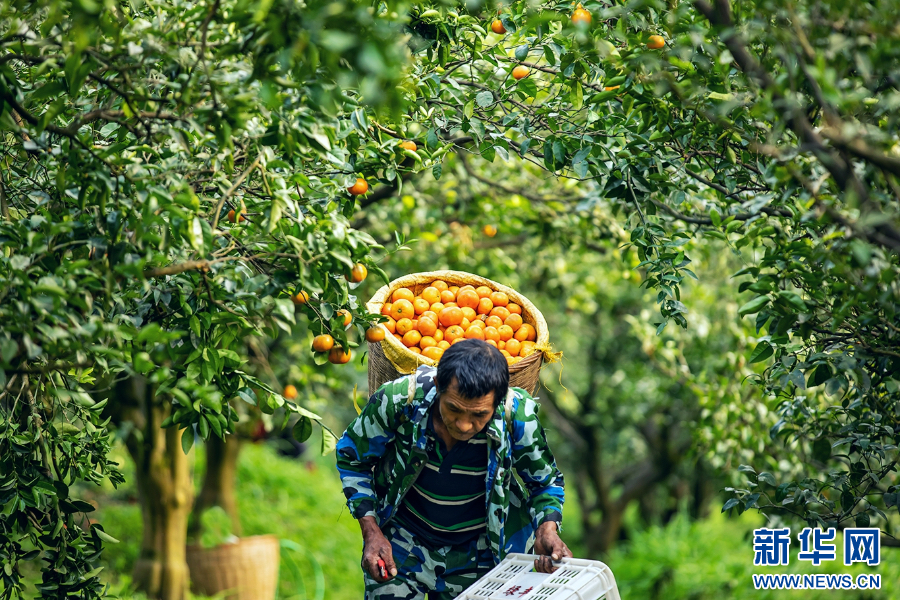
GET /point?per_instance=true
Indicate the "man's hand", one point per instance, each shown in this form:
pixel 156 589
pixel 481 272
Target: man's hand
pixel 375 548
pixel 548 544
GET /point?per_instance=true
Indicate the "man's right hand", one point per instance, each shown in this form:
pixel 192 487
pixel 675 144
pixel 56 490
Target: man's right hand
pixel 375 547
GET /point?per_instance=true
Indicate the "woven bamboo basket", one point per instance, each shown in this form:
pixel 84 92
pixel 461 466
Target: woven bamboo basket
pixel 390 359
pixel 245 570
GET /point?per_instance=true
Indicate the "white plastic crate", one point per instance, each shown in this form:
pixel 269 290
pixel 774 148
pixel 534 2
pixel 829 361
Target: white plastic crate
pixel 515 579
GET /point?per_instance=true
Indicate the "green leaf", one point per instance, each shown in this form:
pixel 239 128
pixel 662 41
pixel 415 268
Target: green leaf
pixel 485 98
pixel 302 429
pixel 328 441
pixel 730 503
pixel 762 351
pixel 715 218
pixel 187 439
pixel 753 306
pixel 104 536
pixel 766 477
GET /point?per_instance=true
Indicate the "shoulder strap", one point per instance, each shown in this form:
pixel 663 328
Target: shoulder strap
pixel 509 408
pixel 412 389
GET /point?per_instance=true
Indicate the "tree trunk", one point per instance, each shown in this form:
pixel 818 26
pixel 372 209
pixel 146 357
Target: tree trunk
pixel 602 537
pixel 218 482
pixel 162 471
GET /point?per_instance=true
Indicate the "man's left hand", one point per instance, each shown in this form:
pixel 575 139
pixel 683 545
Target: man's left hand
pixel 548 544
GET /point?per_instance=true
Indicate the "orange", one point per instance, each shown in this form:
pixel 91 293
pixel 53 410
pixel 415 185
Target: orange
pixel 430 314
pixel 610 88
pixel 386 309
pixel 581 16
pixel 501 344
pixel 489 230
pixel 391 325
pixel 514 308
pixel 404 325
pixel 505 332
pixel 398 336
pixel 491 333
pixel 427 341
pixel 500 311
pixel 233 219
pixel 411 338
pixel 415 324
pixel 458 340
pixel 359 188
pixel 513 347
pixel 465 323
pixel 505 353
pixel 499 299
pixel 420 305
pixel 526 333
pixel 402 309
pixel 491 342
pixel 290 392
pixel 656 42
pixel 402 293
pixel 358 272
pixel 439 285
pixel 338 356
pixel 510 360
pixel 437 307
pixel 448 296
pixel 300 298
pixel 433 352
pixel 374 334
pixel 467 299
pixel 527 348
pixel 493 321
pixel 454 332
pixel 478 323
pixel 451 305
pixel 431 295
pixel 438 335
pixel 520 72
pixel 483 291
pixel 408 145
pixel 484 306
pixel 348 318
pixel 497 27
pixel 427 326
pixel 454 289
pixel 474 333
pixel 450 316
pixel 415 350
pixel 514 321
pixel 443 344
pixel 466 287
pixel 468 313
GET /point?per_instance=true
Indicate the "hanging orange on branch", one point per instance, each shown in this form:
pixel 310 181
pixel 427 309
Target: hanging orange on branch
pixel 581 16
pixel 359 188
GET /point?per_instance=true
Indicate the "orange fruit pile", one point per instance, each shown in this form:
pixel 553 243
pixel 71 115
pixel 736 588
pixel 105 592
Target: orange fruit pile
pixel 442 315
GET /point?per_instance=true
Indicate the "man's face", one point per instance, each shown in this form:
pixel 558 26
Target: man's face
pixel 464 417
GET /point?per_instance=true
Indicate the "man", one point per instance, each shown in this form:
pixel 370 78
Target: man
pixel 427 468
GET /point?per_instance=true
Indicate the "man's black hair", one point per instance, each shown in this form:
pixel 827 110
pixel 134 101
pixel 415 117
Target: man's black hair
pixel 479 369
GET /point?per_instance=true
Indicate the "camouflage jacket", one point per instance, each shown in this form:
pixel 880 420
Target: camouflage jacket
pixel 384 449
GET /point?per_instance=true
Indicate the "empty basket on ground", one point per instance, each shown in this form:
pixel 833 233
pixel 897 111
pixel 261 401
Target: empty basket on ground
pixel 389 359
pixel 514 579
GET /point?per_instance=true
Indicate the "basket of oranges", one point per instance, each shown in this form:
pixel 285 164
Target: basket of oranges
pixel 428 312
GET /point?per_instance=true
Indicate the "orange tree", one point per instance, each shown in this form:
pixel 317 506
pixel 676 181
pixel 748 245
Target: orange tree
pixel 174 179
pixel 769 125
